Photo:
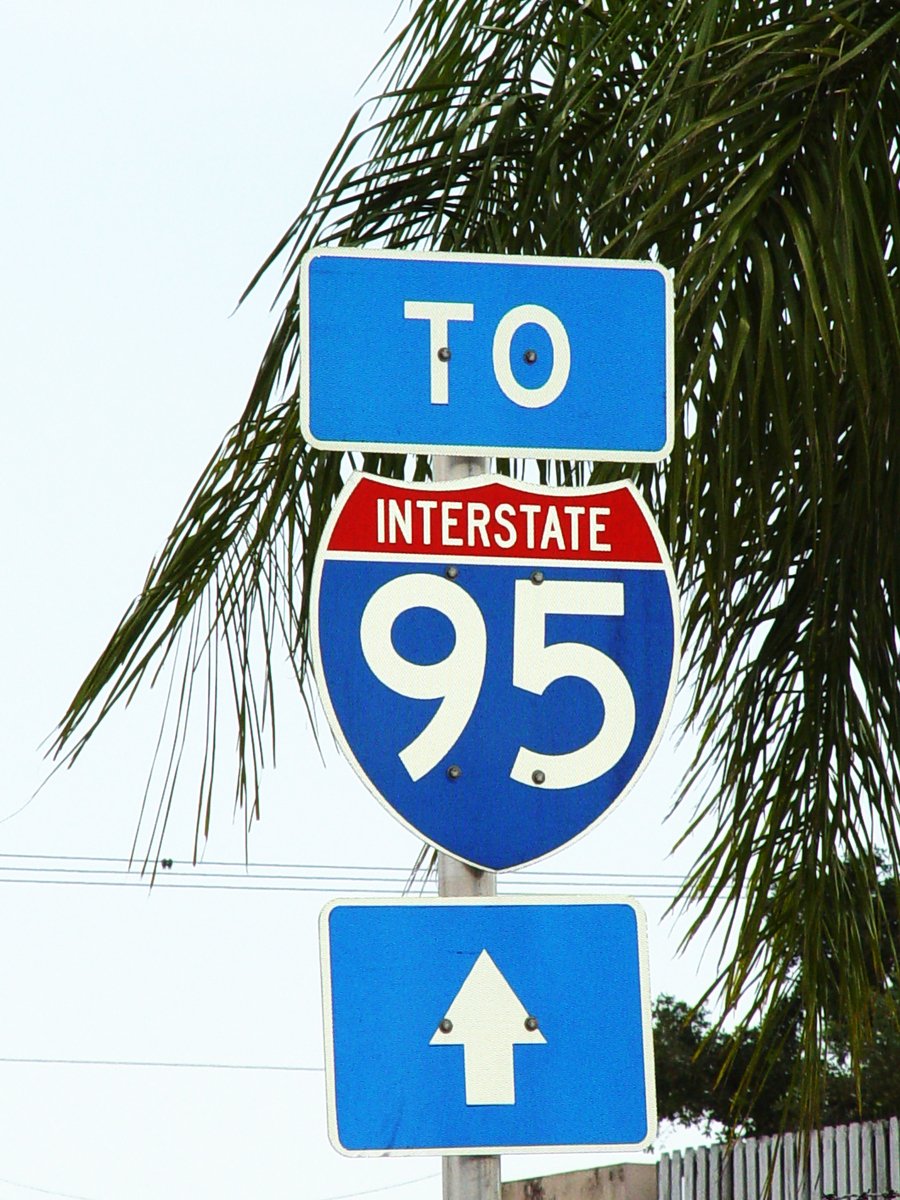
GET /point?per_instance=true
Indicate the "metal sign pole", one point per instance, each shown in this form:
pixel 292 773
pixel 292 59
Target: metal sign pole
pixel 477 1176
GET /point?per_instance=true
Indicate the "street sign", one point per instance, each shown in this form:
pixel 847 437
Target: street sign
pixel 486 354
pixel 497 660
pixel 487 1026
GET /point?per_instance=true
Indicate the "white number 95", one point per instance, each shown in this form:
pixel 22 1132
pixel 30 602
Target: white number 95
pixel 456 680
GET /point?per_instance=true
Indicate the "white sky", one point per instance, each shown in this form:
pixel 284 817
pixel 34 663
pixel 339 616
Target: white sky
pixel 152 155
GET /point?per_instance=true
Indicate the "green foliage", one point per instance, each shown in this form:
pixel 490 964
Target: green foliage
pixel 751 145
pixel 697 1069
pixel 699 1072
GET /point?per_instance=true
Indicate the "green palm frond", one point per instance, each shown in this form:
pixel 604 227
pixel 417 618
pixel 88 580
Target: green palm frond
pixel 753 147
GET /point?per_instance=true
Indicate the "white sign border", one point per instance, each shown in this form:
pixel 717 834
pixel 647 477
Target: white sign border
pixel 488 902
pixel 475 448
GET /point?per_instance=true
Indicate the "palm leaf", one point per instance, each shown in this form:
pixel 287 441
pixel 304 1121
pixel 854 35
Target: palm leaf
pixel 753 147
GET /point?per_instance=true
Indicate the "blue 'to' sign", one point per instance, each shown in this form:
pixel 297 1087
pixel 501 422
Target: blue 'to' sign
pixel 486 354
pixel 496 660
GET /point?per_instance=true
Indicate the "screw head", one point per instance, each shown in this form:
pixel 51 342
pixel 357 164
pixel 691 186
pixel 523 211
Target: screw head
pixel 454 771
pixel 531 1024
pixel 537 576
pixel 530 356
pixel 444 353
pixel 452 572
pixel 446 1025
pixel 538 776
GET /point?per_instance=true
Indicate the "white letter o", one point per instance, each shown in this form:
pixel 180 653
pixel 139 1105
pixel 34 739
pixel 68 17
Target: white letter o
pixel 546 393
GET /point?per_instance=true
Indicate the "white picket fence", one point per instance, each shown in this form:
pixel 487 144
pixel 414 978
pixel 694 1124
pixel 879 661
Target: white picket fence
pixel 844 1162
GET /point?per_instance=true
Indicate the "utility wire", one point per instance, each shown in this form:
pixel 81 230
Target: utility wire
pixel 388 1187
pixel 34 864
pixel 60 870
pixel 120 1062
pixel 242 887
pixel 30 1187
pixel 527 872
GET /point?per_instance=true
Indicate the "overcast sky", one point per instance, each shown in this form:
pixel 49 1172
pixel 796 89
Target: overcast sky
pixel 152 155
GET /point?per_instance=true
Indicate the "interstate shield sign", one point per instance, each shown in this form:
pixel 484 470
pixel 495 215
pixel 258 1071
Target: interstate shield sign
pixel 496 659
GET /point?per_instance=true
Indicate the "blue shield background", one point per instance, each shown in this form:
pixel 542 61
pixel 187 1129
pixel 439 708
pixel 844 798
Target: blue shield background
pixel 484 816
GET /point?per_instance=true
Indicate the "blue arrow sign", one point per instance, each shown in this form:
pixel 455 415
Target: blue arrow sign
pixel 486 354
pixel 464 1026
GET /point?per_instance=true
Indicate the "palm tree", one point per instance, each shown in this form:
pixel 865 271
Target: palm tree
pixel 752 145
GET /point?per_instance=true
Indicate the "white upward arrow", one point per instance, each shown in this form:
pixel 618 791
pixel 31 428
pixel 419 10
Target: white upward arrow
pixel 487 1019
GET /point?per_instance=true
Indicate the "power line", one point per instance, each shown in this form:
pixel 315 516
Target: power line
pixel 61 870
pixel 311 872
pixel 388 1187
pixel 120 1062
pixel 30 1187
pixel 162 885
pixel 527 872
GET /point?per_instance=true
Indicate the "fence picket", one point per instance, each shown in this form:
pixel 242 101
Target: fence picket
pixel 828 1174
pixel 738 1164
pixel 701 1176
pixel 816 1156
pixel 790 1182
pixel 841 1153
pixel 689 1191
pixel 751 1167
pixel 715 1182
pixel 860 1161
pixel 881 1185
pixel 893 1157
pixel 854 1160
pixel 676 1177
pixel 867 1158
pixel 776 1168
